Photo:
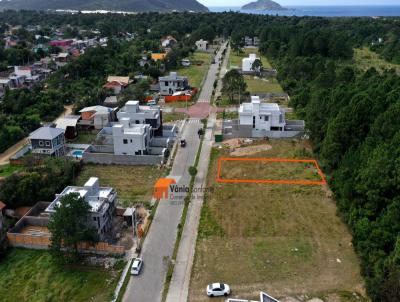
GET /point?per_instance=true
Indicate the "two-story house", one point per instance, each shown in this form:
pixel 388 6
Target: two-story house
pixel 130 138
pixel 151 115
pixel 48 141
pixel 173 83
pixel 202 45
pixel 102 201
pixel 262 117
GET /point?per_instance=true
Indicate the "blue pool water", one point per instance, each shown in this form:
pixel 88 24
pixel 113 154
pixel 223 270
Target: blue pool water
pixel 77 153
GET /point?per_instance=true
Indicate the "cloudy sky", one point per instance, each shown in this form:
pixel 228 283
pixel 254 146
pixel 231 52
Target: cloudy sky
pixel 303 2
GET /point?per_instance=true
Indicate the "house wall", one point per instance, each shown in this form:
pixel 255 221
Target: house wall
pixel 110 159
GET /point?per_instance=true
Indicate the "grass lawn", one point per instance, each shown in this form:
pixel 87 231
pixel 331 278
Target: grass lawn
pixel 173 116
pixel 7 170
pixel 365 58
pixel 196 73
pixel 228 115
pixel 133 183
pixel 282 239
pixel 84 138
pixel 29 275
pixel 236 59
pixel 258 85
pixel 255 85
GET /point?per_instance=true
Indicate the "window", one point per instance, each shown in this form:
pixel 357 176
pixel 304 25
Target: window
pixel 266 118
pixel 166 84
pixel 41 143
pixel 280 118
pixel 47 144
pixel 254 121
pixel 125 141
pixel 260 117
pixel 131 140
pixel 136 122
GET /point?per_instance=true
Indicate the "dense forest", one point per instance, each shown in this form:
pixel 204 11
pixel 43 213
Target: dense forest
pixel 351 115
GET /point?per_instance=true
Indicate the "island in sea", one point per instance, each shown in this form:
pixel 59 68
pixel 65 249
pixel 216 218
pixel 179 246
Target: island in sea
pixel 263 5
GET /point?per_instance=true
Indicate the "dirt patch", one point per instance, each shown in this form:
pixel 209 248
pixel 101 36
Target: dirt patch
pixel 251 150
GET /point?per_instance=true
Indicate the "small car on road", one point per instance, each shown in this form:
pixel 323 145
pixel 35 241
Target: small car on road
pixel 183 143
pixel 218 289
pixel 136 266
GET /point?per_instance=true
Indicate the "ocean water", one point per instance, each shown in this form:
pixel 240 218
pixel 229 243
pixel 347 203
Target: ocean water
pixel 324 11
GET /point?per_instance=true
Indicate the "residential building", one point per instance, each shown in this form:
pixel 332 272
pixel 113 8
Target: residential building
pixel 48 141
pixel 151 115
pixel 158 56
pixel 69 124
pixel 202 45
pixel 5 83
pixel 247 63
pixel 131 139
pixel 62 59
pixel 168 42
pixel 96 117
pixel 251 41
pixel 111 101
pixel 173 83
pixel 102 201
pixel 117 83
pixel 262 116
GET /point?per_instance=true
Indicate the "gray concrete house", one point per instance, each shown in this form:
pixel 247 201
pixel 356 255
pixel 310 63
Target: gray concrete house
pixel 102 201
pixel 151 115
pixel 173 83
pixel 48 141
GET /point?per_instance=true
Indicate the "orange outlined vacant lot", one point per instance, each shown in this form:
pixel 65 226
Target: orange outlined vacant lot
pixel 271 181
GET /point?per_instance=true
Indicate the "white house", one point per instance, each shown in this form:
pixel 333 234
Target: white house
pixel 263 117
pixel 96 117
pixel 136 114
pixel 102 202
pixel 131 139
pixel 202 45
pixel 247 63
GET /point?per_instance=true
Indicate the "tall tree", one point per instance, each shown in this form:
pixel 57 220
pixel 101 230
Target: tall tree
pixel 233 83
pixel 69 227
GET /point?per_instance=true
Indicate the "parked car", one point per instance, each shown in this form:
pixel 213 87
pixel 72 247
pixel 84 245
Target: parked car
pixel 136 266
pixel 218 289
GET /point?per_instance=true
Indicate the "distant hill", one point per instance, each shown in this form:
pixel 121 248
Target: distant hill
pixel 114 5
pixel 263 5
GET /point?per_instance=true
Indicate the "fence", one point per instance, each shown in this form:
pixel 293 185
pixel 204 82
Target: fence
pixel 43 242
pixel 108 159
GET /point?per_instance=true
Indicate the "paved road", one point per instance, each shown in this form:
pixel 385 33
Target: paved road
pixel 160 240
pixel 179 286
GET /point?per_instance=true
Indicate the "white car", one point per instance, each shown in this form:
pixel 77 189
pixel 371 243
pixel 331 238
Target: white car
pixel 136 266
pixel 218 289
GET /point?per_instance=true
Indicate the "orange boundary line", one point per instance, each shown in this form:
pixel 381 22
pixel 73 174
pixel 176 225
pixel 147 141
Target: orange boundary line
pixel 271 181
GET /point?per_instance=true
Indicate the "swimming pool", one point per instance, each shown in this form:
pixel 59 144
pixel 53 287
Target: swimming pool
pixel 77 153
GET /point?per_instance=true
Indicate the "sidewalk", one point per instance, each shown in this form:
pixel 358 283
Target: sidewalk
pixel 179 286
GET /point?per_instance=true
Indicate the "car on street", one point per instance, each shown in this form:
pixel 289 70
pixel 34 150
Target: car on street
pixel 183 143
pixel 218 289
pixel 136 266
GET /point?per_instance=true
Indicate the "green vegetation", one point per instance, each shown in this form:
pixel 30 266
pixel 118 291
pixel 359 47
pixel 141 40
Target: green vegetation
pixel 134 184
pixel 84 138
pixel 200 62
pixel 287 236
pixel 262 85
pixel 38 182
pixel 29 275
pixel 235 59
pixel 7 170
pixel 228 115
pixel 173 116
pixel 365 59
pixel 69 227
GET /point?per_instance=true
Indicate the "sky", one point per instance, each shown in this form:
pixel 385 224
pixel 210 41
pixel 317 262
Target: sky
pixel 302 2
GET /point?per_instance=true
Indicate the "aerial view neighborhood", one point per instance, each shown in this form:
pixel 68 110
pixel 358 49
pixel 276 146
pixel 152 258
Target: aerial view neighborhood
pixel 173 151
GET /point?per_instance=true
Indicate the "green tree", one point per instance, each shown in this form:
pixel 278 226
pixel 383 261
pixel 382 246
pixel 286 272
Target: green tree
pixel 257 66
pixel 233 83
pixel 69 227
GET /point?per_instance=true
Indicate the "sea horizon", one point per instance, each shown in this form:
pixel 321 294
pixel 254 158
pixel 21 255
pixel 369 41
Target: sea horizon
pixel 322 10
